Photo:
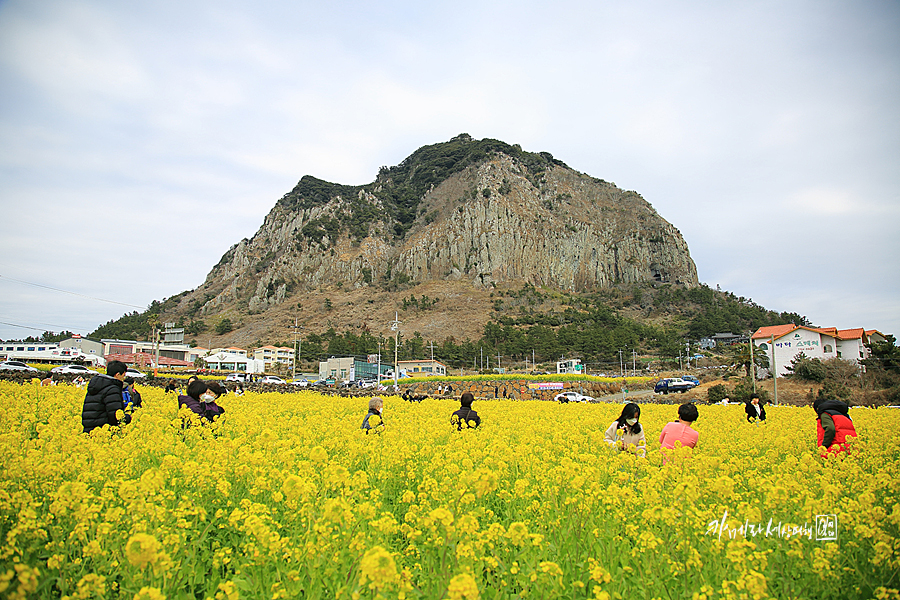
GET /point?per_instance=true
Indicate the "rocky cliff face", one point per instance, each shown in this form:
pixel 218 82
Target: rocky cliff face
pixel 467 210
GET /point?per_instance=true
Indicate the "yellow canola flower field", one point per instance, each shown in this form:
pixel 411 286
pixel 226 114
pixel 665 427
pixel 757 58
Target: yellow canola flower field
pixel 285 497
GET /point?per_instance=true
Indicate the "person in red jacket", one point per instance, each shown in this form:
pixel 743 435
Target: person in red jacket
pixel 833 425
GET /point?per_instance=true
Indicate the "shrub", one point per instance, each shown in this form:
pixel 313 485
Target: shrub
pixel 224 326
pixel 716 393
pixel 807 369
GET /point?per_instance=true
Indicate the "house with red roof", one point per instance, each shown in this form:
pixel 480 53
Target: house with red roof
pixel 875 336
pixel 782 343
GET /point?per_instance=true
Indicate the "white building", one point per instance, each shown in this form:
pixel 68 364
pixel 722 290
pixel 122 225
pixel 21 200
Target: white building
pixel 570 366
pixel 233 362
pixel 272 355
pixel 229 350
pixel 782 343
pixel 47 352
pixel 420 368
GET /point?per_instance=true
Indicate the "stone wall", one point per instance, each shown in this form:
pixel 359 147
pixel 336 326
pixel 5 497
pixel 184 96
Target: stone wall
pixel 516 389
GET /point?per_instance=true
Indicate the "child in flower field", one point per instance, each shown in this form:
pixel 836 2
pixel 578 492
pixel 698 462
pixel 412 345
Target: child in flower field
pixel 201 400
pixel 373 420
pixel 465 414
pixel 680 430
pixel 130 396
pixel 833 425
pixel 626 432
pixel 104 399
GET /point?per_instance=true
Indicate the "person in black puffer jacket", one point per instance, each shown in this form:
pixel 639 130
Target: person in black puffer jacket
pixel 104 399
pixel 465 415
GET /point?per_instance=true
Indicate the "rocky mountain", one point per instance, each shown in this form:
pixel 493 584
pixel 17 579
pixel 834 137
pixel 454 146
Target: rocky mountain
pixel 461 217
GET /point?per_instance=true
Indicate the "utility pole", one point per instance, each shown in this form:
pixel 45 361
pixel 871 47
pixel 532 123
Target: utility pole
pixel 774 370
pixel 498 360
pixel 481 355
pixel 634 363
pixel 533 365
pixel 297 329
pixel 752 364
pixel 395 327
pixel 378 377
pixel 621 368
pixel 432 351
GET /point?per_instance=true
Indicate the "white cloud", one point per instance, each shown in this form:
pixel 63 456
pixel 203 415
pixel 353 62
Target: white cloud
pixel 735 121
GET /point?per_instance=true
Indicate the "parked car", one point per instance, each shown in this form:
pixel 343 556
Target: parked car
pixel 300 381
pixel 134 373
pixel 73 370
pixel 691 378
pixel 572 397
pixel 242 377
pixel 672 385
pixel 16 365
pixel 366 383
pixel 272 379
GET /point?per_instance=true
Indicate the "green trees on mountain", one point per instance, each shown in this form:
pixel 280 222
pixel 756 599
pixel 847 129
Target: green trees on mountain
pixel 720 312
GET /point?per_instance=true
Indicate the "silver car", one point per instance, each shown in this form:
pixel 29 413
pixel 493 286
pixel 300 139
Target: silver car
pixel 73 370
pixel 16 365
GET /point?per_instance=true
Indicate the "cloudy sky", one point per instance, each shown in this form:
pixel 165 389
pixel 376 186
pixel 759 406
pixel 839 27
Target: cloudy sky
pixel 139 141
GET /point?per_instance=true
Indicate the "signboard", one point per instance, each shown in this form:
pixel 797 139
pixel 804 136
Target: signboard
pixel 372 358
pixel 546 385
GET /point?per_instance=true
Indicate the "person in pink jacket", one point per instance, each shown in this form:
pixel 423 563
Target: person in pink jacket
pixel 680 430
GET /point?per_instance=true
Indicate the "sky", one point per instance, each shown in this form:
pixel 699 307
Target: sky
pixel 139 141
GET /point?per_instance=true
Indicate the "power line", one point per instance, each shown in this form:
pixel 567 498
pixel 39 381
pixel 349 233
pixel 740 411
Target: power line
pixel 22 326
pixel 47 287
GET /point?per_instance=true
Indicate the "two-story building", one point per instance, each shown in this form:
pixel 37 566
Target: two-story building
pixel 351 368
pixel 782 343
pixel 272 355
pixel 419 368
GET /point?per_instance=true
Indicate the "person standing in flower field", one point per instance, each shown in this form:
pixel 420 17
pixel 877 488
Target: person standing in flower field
pixel 374 421
pixel 104 399
pixel 833 425
pixel 465 414
pixel 681 430
pixel 626 432
pixel 754 409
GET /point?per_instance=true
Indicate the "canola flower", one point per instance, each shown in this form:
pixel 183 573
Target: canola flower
pixel 289 499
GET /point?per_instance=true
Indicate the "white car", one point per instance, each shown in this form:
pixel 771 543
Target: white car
pixel 16 365
pixel 134 373
pixel 300 382
pixel 73 370
pixel 242 377
pixel 272 379
pixel 572 397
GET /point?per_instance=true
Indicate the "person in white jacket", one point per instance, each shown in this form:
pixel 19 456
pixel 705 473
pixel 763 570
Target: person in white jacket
pixel 626 432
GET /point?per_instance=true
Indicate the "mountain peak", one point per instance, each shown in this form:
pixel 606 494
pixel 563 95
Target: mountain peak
pixel 477 212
